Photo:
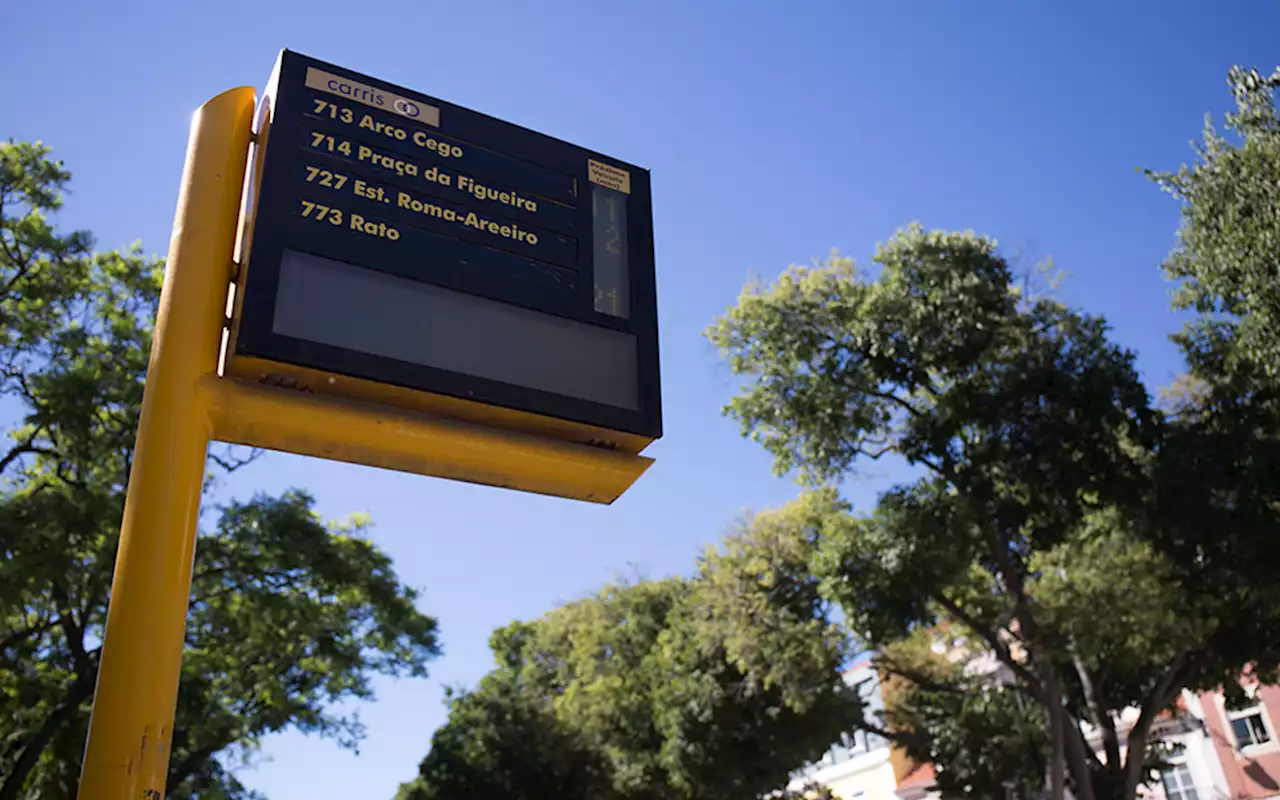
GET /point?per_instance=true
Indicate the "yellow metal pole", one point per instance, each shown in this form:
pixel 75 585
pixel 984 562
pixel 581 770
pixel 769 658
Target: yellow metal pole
pixel 131 728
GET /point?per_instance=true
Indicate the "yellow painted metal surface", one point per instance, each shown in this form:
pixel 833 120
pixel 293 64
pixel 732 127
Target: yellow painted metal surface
pixel 363 433
pixel 384 394
pixel 131 729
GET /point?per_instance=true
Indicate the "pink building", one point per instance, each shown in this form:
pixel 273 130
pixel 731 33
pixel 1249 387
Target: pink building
pixel 1246 743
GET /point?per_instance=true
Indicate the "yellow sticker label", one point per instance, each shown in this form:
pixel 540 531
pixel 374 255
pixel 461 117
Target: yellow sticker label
pixel 362 93
pixel 609 176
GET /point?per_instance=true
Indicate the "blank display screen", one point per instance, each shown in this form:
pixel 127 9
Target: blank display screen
pixel 330 302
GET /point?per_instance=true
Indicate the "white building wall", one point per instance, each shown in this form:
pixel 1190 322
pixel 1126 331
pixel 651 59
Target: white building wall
pixel 857 767
pixel 867 776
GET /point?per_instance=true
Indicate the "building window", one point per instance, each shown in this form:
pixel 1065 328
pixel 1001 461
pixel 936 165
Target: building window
pixel 1176 780
pixel 1249 726
pixel 854 742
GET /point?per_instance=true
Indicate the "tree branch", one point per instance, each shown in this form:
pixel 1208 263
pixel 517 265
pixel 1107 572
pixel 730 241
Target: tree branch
pixel 33 630
pixel 263 579
pixel 1033 683
pixel 232 464
pixel 73 631
pixel 1057 740
pixel 75 641
pixel 1079 756
pixel 919 678
pixel 1099 716
pixel 14 255
pixel 1156 700
pixel 22 270
pixel 893 398
pixel 899 737
pixel 25 447
pixel 875 455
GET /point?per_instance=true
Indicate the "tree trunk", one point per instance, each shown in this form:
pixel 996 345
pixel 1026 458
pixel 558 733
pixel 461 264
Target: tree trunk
pixel 1101 718
pixel 1159 696
pixel 1057 750
pixel 1078 758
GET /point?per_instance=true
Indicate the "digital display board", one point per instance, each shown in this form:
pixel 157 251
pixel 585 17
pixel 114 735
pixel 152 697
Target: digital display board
pixel 396 240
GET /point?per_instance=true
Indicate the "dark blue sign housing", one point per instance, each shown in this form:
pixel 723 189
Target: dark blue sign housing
pixel 407 251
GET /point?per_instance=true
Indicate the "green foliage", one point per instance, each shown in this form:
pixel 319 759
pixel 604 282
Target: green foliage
pixel 715 686
pixel 1097 553
pixel 1078 577
pixel 1228 255
pixel 42 269
pixel 1223 442
pixel 288 615
pixel 758 601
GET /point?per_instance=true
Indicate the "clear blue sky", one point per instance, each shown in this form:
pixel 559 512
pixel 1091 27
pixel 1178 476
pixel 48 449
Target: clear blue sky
pixel 775 131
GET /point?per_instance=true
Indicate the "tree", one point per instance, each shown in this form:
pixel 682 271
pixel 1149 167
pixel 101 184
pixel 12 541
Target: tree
pixel 288 614
pixel 1228 255
pixel 716 686
pixel 1101 552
